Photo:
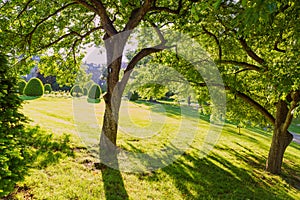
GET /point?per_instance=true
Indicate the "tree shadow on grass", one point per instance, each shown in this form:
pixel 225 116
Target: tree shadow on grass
pixel 174 110
pixel 113 182
pixel 217 177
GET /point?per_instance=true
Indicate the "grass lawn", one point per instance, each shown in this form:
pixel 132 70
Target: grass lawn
pixel 234 169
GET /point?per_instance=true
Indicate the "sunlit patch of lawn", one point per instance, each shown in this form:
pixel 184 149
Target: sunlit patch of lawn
pixel 233 169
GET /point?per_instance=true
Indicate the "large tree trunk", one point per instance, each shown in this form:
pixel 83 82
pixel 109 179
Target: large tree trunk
pixel 281 139
pixel 114 48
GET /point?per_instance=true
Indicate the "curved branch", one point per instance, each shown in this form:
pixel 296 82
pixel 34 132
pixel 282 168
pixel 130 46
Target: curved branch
pixel 25 7
pixel 247 99
pixel 257 106
pixel 216 39
pixel 105 20
pixel 46 18
pixel 166 9
pixel 242 64
pixel 250 52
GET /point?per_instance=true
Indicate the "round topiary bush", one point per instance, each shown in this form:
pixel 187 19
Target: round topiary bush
pixel 94 92
pixel 21 85
pixel 76 91
pixel 34 88
pixel 48 88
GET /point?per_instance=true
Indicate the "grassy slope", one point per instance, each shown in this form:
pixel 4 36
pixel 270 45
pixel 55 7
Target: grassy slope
pixel 234 169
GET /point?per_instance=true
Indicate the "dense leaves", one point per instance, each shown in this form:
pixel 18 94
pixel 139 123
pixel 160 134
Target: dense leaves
pixel 13 152
pixel 21 85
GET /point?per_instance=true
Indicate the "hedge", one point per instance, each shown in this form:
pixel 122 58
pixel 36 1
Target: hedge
pixel 48 88
pixel 94 92
pixel 76 91
pixel 34 88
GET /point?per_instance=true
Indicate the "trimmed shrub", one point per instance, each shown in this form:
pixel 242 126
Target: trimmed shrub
pixel 76 91
pixel 21 85
pixel 85 91
pixel 94 92
pixel 34 88
pixel 48 88
pixel 14 154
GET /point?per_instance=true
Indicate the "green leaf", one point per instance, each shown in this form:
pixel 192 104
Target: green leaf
pixel 217 4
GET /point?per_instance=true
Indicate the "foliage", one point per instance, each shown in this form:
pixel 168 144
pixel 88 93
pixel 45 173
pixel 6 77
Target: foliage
pixel 21 85
pixel 34 87
pixel 94 92
pixel 82 78
pixel 14 153
pixel 76 91
pixel 89 84
pixel 48 88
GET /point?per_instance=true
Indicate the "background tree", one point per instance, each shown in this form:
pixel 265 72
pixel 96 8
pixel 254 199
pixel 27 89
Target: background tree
pixel 256 45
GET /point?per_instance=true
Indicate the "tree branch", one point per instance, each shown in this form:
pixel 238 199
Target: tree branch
pixel 250 52
pixel 276 47
pixel 257 106
pixel 216 39
pixel 100 10
pixel 29 35
pixel 25 7
pixel 137 15
pixel 247 99
pixel 166 9
pixel 242 64
pixel 294 104
pixel 69 34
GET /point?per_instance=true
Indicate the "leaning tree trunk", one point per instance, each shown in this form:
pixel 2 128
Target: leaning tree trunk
pixel 281 139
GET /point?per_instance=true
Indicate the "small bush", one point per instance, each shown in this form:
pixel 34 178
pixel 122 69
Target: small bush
pixel 34 88
pixel 21 85
pixel 48 88
pixel 94 92
pixel 76 91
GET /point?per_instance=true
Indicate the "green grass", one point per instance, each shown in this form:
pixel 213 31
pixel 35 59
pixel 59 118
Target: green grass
pixel 234 169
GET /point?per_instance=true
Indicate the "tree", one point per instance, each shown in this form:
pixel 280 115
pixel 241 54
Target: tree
pixel 256 45
pixel 65 26
pixel 14 153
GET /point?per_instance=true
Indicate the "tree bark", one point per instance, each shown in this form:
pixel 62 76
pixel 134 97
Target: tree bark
pixel 281 139
pixel 108 148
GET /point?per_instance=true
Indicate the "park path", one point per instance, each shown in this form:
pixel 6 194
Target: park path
pixel 296 138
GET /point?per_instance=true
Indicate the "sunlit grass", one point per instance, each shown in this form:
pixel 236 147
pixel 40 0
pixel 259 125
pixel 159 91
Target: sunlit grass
pixel 234 169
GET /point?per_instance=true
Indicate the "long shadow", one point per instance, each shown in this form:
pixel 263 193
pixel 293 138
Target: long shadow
pixel 112 179
pixel 174 110
pixel 216 177
pixel 113 184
